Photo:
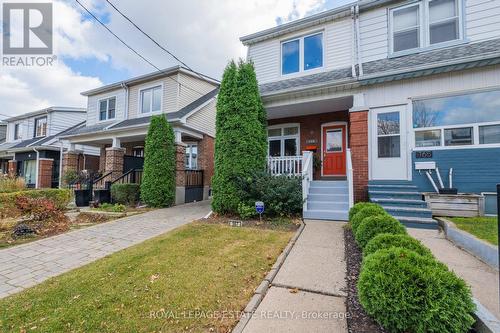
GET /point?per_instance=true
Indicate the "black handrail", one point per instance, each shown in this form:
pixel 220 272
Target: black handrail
pixel 132 172
pixel 102 177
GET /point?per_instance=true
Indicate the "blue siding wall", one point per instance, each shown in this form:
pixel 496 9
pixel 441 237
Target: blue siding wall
pixel 474 170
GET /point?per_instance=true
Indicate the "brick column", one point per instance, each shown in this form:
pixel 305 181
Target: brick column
pixel 45 168
pixel 180 175
pixel 206 155
pixel 70 162
pixel 358 142
pixel 114 161
pixel 102 159
pixel 12 168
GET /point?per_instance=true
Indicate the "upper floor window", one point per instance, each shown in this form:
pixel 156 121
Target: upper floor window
pixel 151 99
pixel 424 24
pixel 17 131
pixel 302 54
pixel 107 108
pixel 40 127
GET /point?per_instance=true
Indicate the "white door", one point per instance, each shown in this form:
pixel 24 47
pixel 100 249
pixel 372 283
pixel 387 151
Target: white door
pixel 389 148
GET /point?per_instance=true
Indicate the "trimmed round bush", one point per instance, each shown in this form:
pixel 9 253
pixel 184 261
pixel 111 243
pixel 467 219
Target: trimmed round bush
pixel 359 206
pixel 364 213
pixel 406 292
pixel 375 225
pixel 388 241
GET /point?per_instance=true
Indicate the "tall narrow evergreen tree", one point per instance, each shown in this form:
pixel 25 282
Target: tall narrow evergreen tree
pixel 241 143
pixel 158 182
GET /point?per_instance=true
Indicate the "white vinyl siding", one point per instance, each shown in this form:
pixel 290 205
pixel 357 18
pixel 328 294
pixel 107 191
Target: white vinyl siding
pixel 204 119
pixel 373 31
pixel 60 121
pixel 93 106
pixel 482 19
pixel 186 95
pixel 337 49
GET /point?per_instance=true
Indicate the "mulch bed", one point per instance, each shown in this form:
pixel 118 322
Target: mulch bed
pixel 358 321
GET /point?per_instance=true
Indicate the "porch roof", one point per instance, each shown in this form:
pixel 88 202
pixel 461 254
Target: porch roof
pixel 465 56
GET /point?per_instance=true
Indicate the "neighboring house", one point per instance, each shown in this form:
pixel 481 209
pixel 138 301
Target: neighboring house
pixel 384 85
pixel 3 131
pixel 33 147
pixel 118 119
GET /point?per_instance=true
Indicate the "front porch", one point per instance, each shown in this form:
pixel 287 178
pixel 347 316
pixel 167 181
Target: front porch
pixel 122 158
pixel 325 142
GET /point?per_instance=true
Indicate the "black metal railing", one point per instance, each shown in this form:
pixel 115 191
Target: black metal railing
pixel 103 181
pixel 133 176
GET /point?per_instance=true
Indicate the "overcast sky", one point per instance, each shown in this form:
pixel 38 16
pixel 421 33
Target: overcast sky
pixel 203 33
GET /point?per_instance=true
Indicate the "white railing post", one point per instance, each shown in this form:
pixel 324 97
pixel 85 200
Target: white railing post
pixel 284 165
pixel 307 175
pixel 350 178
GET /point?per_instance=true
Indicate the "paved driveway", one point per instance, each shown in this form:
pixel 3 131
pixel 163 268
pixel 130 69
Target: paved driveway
pixel 26 265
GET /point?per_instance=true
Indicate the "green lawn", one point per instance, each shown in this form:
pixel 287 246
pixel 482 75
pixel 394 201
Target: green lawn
pixel 184 277
pixel 485 228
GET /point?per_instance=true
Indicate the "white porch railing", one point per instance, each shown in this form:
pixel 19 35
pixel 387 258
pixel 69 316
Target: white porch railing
pixel 285 165
pixel 350 177
pixel 307 176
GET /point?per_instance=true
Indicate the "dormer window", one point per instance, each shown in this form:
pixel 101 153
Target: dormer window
pixel 151 99
pixel 107 108
pixel 302 54
pixel 40 127
pixel 425 24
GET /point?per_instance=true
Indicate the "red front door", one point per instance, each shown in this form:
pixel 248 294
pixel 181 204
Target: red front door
pixel 334 147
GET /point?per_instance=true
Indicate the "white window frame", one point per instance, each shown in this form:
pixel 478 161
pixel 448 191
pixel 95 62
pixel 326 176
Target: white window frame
pixel 17 136
pixel 301 53
pixel 425 28
pixel 107 108
pixel 35 134
pixel 399 134
pixel 283 137
pixel 139 107
pixel 189 146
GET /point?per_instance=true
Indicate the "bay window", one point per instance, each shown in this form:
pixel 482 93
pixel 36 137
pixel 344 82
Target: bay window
pixel 302 54
pixel 465 120
pixel 424 24
pixel 283 140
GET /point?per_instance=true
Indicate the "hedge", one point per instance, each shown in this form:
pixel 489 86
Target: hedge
pixel 158 181
pixel 241 142
pixel 407 292
pixel 60 197
pixel 387 241
pixel 125 194
pixel 365 212
pixel 375 225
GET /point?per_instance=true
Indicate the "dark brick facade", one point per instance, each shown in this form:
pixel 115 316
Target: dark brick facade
pixel 45 170
pixel 358 142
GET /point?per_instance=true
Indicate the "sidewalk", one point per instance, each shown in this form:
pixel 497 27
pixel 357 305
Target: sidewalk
pixel 309 291
pixel 26 265
pixel 482 278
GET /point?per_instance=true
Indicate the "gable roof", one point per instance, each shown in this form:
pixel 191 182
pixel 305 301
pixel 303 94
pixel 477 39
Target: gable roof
pixel 148 77
pixel 46 110
pixel 172 116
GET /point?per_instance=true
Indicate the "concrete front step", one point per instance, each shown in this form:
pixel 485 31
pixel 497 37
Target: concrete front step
pixel 399 202
pixel 330 215
pixel 390 187
pixel 408 211
pixel 419 223
pixel 327 197
pixel 328 190
pixel 325 183
pixel 328 205
pixel 395 195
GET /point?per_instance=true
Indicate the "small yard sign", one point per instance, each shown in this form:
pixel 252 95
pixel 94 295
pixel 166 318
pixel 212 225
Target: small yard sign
pixel 259 207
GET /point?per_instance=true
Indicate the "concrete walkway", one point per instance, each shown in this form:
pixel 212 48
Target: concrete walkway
pixel 26 265
pixel 482 278
pixel 308 293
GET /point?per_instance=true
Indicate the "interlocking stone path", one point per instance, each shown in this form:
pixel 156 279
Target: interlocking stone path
pixel 26 265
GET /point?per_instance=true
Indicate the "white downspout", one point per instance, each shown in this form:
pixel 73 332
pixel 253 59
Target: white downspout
pixel 125 87
pixel 358 42
pixel 37 166
pixel 354 43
